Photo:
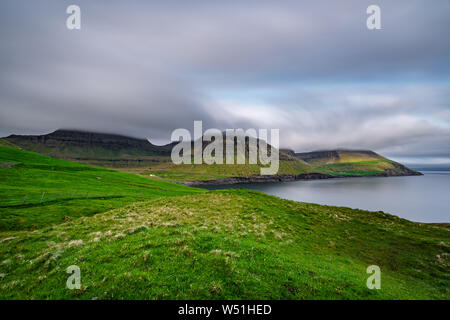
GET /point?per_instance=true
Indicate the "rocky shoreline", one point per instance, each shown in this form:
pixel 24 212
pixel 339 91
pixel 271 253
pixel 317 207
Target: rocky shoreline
pixel 287 178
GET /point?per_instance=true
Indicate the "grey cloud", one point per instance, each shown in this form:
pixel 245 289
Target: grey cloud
pixel 391 120
pixel 144 68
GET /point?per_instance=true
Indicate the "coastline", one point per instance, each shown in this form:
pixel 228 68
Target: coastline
pixel 287 178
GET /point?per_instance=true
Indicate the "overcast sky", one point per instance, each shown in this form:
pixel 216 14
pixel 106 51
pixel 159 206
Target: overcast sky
pixel 310 68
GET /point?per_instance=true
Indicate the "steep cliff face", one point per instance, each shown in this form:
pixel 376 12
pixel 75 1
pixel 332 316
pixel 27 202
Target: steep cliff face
pixel 79 144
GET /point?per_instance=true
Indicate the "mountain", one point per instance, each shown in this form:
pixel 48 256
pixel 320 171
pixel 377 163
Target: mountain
pixel 351 162
pixel 110 150
pixel 71 144
pixel 141 156
pixel 83 145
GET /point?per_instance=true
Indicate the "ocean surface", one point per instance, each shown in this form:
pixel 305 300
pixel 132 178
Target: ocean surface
pixel 417 198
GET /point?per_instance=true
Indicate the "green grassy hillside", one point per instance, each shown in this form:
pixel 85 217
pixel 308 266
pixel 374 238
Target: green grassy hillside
pixel 36 190
pixel 140 156
pixel 70 144
pixel 136 238
pixel 335 163
pixel 6 143
pixel 228 245
pixel 353 162
pixel 202 172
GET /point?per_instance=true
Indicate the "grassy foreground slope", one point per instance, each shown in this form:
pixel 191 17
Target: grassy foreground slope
pixel 36 190
pixel 137 238
pixel 227 245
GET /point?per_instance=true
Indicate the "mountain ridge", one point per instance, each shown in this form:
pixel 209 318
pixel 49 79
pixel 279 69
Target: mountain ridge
pixel 141 156
pixel 92 138
pixel 119 146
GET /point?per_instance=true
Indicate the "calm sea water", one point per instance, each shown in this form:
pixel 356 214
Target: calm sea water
pixel 417 198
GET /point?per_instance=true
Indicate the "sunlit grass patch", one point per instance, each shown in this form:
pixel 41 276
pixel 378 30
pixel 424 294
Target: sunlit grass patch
pixel 227 245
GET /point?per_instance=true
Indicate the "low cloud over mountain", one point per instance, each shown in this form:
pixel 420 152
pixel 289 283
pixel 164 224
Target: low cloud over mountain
pixel 313 70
